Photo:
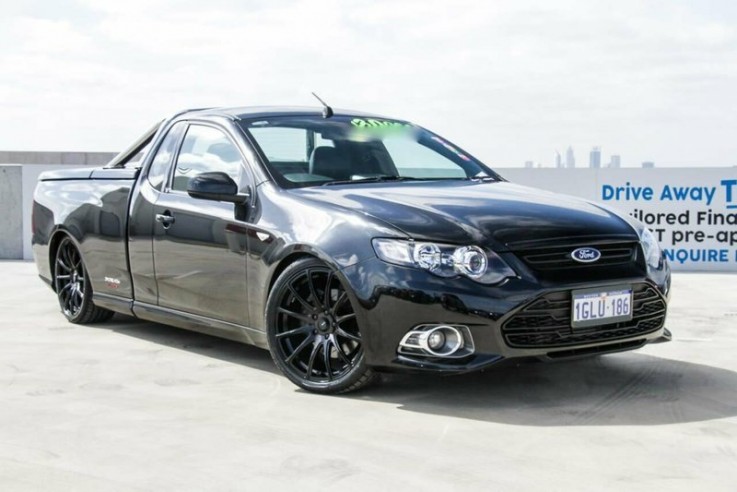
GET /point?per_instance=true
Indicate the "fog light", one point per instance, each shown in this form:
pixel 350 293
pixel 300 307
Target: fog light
pixel 451 341
pixel 451 338
pixel 436 340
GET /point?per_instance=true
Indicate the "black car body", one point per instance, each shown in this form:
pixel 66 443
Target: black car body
pixel 217 220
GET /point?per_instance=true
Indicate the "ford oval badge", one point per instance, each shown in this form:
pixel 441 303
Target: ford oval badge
pixel 586 255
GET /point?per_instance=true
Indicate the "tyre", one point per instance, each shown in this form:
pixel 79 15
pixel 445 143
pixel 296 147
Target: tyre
pixel 73 288
pixel 313 332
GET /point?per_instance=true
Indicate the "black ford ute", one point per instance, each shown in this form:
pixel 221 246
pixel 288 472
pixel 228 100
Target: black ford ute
pixel 346 244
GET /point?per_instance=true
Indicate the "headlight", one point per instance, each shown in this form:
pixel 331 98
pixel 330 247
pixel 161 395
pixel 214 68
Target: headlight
pixel 445 260
pixel 653 254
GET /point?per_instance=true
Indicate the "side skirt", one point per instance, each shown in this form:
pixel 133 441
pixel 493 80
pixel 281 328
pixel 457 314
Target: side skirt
pixel 120 305
pixel 200 324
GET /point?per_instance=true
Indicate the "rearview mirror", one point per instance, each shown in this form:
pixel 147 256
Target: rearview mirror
pixel 216 186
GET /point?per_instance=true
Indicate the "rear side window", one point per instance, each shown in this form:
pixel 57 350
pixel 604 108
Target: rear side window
pixel 206 149
pixel 160 164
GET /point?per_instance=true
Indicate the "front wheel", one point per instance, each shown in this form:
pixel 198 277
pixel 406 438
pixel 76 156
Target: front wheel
pixel 313 332
pixel 73 287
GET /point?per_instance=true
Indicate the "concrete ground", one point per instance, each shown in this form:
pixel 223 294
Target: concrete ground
pixel 130 405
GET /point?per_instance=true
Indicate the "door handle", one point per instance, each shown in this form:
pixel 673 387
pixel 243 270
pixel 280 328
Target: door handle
pixel 165 219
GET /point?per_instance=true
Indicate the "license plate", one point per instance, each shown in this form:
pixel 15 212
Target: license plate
pixel 601 306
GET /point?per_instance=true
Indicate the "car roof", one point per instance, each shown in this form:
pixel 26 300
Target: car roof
pixel 249 112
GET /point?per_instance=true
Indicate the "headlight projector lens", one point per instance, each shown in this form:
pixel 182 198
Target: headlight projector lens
pixel 471 261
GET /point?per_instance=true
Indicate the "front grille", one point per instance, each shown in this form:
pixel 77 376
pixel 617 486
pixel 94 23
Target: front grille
pixel 546 322
pixel 551 258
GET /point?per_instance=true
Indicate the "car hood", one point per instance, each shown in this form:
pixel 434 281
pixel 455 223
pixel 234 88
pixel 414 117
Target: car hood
pixel 500 214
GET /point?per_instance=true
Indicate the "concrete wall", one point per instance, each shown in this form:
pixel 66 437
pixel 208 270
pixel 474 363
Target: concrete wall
pixel 54 158
pixel 11 214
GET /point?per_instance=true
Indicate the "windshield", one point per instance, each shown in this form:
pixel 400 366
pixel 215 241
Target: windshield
pixel 312 151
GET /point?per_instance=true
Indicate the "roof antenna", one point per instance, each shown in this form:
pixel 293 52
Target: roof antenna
pixel 327 111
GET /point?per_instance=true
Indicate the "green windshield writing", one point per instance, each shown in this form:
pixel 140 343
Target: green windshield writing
pixel 374 123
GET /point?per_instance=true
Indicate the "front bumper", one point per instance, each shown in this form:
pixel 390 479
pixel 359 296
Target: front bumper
pixel 391 300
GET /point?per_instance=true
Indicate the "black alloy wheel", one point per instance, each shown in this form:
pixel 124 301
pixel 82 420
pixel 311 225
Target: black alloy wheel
pixel 313 331
pixel 73 288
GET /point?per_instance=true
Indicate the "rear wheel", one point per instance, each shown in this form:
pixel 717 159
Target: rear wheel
pixel 73 287
pixel 313 332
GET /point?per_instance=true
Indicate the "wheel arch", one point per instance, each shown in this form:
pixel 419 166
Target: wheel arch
pixel 296 253
pixel 56 238
pixel 283 264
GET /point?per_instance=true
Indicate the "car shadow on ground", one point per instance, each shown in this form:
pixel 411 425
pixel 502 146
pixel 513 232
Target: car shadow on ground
pixel 618 389
pixel 191 341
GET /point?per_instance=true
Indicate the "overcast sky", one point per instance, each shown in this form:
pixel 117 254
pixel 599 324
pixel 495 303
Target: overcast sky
pixel 509 81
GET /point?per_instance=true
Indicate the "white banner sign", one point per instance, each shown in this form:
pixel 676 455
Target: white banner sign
pixel 693 212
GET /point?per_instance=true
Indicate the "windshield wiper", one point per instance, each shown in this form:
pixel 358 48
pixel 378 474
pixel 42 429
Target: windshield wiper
pixel 371 179
pixel 385 179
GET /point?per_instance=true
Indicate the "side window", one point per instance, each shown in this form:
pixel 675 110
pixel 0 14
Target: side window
pixel 160 164
pixel 320 141
pixel 205 149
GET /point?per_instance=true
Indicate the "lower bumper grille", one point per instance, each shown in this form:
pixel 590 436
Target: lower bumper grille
pixel 546 322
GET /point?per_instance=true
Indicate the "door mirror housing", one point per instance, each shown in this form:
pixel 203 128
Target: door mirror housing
pixel 217 186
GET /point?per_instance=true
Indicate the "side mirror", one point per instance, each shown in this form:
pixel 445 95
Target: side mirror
pixel 216 186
